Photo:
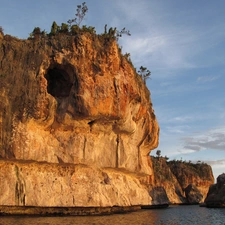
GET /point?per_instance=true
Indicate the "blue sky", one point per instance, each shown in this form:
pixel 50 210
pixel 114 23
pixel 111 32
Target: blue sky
pixel 181 42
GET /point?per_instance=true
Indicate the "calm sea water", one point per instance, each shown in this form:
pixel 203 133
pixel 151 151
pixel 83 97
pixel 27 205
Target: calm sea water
pixel 171 216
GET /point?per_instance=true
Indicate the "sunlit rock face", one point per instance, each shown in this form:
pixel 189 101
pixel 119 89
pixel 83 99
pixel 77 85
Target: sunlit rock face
pixel 48 184
pixel 70 101
pixel 199 176
pixel 184 182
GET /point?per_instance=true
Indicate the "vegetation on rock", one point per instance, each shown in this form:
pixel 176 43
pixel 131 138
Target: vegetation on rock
pixel 1 30
pixel 74 28
pixel 79 16
pixel 144 73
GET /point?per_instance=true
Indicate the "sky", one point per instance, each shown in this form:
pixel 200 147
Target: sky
pixel 181 42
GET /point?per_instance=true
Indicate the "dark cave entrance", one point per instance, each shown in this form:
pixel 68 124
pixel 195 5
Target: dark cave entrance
pixel 59 83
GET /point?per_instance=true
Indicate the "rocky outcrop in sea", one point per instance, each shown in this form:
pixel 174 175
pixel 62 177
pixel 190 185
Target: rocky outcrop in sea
pixel 216 195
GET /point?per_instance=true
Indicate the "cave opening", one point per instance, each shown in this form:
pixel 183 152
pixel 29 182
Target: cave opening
pixel 59 83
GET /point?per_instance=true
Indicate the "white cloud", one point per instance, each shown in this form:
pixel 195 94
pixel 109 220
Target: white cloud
pixel 185 151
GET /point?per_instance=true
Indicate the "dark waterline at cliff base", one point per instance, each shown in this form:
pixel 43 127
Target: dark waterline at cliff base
pixel 72 211
pixel 174 215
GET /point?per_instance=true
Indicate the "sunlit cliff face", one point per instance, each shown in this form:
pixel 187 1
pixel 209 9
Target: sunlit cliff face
pixel 84 104
pixel 76 124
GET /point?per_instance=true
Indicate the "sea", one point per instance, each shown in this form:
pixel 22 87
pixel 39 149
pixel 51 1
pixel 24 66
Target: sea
pixel 174 215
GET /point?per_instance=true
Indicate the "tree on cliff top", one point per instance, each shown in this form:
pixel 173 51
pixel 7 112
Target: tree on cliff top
pixel 37 33
pixel 114 33
pixel 144 73
pixel 55 28
pixel 158 153
pixel 79 16
pixel 123 31
pixel 1 30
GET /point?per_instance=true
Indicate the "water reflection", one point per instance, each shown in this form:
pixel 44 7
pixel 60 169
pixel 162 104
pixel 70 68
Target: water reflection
pixel 174 215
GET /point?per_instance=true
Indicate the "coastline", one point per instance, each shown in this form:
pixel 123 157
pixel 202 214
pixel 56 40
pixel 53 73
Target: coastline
pixel 83 211
pixel 72 211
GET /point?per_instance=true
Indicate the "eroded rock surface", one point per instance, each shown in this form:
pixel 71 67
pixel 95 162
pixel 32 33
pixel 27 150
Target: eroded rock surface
pixel 193 195
pixel 81 103
pixel 71 100
pixel 45 184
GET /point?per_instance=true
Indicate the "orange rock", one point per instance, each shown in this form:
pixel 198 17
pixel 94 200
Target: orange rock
pixel 72 100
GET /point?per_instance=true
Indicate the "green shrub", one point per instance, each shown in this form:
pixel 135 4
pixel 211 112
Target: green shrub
pixel 64 28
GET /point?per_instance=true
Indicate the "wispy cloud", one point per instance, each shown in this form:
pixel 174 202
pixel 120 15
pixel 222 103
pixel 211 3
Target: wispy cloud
pixel 185 151
pixel 204 79
pixel 163 42
pixel 160 50
pixel 213 140
pixel 181 119
pixel 216 163
pixel 181 129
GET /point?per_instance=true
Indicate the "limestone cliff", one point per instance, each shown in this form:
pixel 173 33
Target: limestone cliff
pixel 76 123
pixel 184 182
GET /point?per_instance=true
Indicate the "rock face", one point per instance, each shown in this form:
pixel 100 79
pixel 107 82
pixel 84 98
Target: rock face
pixel 184 182
pixel 164 178
pixel 159 195
pixel 193 195
pixel 198 175
pixel 68 101
pixel 48 184
pixel 216 194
